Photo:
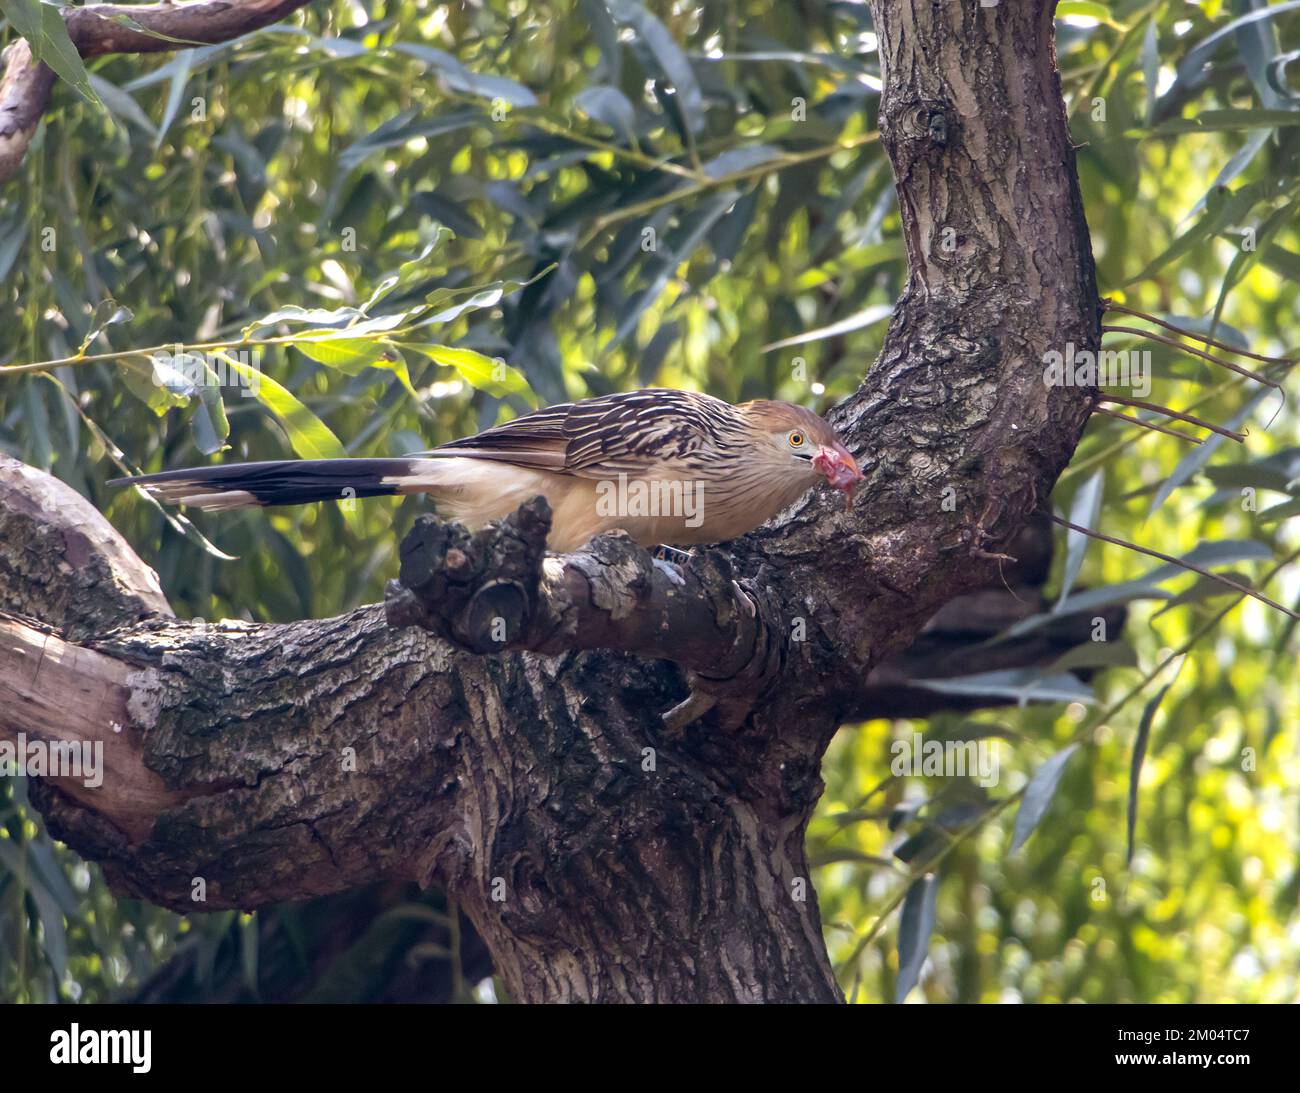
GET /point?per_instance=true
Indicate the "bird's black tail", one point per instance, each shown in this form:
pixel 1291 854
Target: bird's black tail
pixel 283 482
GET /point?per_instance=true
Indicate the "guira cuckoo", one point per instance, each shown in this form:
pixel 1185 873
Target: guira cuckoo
pixel 667 467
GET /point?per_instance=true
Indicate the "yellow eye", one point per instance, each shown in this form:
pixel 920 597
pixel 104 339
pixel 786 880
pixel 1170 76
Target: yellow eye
pixel 796 439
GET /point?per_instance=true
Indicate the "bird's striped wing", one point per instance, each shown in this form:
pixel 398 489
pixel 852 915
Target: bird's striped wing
pixel 631 432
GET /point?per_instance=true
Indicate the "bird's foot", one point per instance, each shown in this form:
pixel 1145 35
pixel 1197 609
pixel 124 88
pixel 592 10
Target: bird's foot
pixel 672 572
pixel 669 561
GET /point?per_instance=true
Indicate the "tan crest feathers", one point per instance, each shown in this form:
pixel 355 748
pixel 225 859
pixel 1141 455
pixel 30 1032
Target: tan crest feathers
pixel 769 414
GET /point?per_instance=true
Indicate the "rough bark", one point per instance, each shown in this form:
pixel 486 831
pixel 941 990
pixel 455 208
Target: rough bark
pixel 600 855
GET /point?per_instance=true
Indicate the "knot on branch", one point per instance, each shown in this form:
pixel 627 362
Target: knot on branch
pixel 924 126
pixel 479 591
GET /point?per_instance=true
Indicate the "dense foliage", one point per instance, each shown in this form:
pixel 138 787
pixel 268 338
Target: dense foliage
pixel 514 203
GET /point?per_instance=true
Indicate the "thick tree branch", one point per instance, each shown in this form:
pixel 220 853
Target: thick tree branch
pixel 497 591
pixel 63 563
pixel 26 84
pixel 598 856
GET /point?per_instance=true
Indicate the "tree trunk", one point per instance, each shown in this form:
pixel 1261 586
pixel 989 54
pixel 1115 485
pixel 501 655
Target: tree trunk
pixel 602 851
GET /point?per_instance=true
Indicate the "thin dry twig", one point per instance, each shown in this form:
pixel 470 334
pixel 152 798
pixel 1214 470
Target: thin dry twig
pixel 1111 306
pixel 1155 407
pixel 1191 350
pixel 1245 590
pixel 1148 425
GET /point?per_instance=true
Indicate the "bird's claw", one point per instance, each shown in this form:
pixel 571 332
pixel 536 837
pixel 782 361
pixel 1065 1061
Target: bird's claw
pixel 669 561
pixel 670 571
pixel 690 709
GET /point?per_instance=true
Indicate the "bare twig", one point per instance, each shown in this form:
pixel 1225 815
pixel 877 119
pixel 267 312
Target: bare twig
pixel 1155 407
pixel 1111 306
pixel 1245 590
pixel 1148 425
pixel 1191 350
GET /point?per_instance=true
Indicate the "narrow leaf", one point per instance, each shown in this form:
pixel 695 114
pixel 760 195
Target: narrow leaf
pixel 209 422
pixel 180 77
pixel 1135 766
pixel 1228 120
pixel 60 54
pixel 121 104
pixel 352 356
pixel 915 926
pixel 1097 654
pixel 459 78
pixel 868 316
pixel 1021 684
pixel 1084 512
pixel 1151 65
pixel 1196 58
pixel 667 56
pixel 25 15
pixel 480 372
pixel 310 437
pixel 1039 794
pixel 1194 460
pixel 1222 209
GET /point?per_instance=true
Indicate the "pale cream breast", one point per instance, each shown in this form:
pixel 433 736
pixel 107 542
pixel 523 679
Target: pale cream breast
pixel 666 510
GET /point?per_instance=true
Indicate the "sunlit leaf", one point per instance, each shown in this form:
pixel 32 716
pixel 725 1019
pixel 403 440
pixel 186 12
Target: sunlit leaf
pixel 308 435
pixel 1086 9
pixel 353 355
pixel 868 316
pixel 349 355
pixel 480 372
pixel 1228 210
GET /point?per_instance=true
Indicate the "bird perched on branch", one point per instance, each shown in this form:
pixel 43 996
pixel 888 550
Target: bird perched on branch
pixel 667 467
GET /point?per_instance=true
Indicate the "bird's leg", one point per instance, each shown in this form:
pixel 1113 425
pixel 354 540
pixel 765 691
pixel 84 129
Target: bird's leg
pixel 669 561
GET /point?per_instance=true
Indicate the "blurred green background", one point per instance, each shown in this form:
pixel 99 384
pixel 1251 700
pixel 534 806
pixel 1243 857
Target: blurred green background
pixel 527 202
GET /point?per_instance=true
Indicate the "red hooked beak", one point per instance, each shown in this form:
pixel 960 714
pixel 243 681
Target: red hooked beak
pixel 840 469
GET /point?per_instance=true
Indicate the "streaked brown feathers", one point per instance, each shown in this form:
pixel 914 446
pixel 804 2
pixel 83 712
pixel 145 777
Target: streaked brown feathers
pixel 609 435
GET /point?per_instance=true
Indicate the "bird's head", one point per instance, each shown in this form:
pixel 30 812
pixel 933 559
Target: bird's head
pixel 797 441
